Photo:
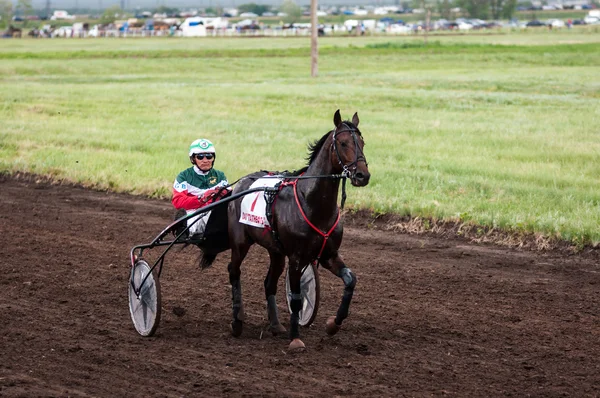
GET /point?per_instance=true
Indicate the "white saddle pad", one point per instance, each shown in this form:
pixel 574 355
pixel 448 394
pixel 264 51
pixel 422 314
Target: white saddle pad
pixel 254 206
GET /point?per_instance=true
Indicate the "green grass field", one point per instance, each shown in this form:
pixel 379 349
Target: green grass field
pixel 498 130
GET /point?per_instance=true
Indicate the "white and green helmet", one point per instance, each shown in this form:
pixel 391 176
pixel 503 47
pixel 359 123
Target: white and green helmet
pixel 201 146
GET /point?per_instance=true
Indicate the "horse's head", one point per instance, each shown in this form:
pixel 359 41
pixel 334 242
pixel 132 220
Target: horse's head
pixel 347 150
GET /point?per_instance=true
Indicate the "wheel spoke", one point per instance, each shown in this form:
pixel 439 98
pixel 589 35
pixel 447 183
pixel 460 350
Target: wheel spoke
pixel 135 307
pixel 306 282
pixel 145 314
pixel 148 302
pixel 148 286
pixel 309 301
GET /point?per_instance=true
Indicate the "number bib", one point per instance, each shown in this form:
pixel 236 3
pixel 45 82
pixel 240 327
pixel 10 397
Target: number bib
pixel 254 205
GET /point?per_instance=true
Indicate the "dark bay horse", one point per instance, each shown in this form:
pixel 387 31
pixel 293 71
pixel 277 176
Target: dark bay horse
pixel 305 225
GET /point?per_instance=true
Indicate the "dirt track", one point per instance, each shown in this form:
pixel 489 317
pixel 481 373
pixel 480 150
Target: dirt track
pixel 430 317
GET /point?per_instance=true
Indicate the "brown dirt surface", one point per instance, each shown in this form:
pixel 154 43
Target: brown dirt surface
pixel 430 317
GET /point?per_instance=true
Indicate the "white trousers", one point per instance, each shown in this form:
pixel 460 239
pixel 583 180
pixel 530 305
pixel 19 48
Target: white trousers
pixel 200 225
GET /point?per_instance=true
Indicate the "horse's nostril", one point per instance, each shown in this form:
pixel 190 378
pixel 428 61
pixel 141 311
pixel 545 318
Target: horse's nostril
pixel 359 176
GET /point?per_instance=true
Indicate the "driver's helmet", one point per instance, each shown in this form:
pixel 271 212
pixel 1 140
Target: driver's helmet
pixel 201 146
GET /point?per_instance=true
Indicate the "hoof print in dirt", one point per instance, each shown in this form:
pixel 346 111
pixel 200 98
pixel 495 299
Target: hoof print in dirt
pixel 179 311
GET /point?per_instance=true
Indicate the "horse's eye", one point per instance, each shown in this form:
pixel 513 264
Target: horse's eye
pixel 344 145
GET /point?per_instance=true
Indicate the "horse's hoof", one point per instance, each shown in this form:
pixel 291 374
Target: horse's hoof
pixel 331 327
pixel 278 329
pixel 297 345
pixel 237 327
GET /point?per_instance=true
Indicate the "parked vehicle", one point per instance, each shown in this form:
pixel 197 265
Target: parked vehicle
pixel 398 29
pixel 465 26
pixel 63 31
pixel 555 23
pixel 535 24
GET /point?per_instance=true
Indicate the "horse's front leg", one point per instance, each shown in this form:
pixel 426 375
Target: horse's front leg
pixel 234 268
pixel 295 272
pixel 275 270
pixel 337 267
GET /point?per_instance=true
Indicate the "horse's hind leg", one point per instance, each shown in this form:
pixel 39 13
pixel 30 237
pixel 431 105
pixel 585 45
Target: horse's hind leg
pixel 237 256
pixel 275 270
pixel 337 267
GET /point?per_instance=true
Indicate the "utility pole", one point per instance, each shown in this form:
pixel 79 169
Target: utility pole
pixel 48 9
pixel 427 22
pixel 314 33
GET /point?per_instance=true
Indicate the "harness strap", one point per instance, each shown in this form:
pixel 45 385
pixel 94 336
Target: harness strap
pixel 343 193
pixel 270 212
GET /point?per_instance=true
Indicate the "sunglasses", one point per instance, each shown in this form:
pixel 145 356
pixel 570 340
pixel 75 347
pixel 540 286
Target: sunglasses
pixel 201 156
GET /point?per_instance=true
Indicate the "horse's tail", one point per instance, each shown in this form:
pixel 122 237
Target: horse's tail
pixel 206 259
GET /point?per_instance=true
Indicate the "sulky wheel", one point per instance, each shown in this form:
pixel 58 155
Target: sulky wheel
pixel 309 287
pixel 144 298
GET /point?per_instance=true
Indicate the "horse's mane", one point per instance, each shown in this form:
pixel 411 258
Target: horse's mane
pixel 296 172
pixel 313 150
pixel 315 147
pixel 284 173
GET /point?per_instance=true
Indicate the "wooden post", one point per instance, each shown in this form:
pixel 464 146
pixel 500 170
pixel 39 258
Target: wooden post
pixel 427 22
pixel 314 33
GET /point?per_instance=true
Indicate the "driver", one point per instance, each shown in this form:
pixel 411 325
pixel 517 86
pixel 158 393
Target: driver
pixel 199 185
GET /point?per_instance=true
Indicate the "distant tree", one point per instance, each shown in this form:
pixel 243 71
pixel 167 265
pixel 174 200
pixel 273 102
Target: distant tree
pixel 6 12
pixel 166 10
pixel 23 9
pixel 111 14
pixel 293 11
pixel 445 8
pixel 503 8
pixel 211 11
pixel 255 8
pixel 475 8
pixel 425 4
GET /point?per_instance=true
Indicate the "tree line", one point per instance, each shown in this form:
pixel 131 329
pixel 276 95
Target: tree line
pixel 481 9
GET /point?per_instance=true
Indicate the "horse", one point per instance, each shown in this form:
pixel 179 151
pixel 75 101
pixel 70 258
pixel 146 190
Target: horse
pixel 13 32
pixel 304 222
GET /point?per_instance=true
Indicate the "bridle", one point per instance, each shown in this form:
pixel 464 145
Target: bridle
pixel 349 169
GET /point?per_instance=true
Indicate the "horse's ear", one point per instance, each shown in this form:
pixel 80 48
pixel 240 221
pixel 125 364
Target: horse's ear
pixel 337 119
pixel 355 119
